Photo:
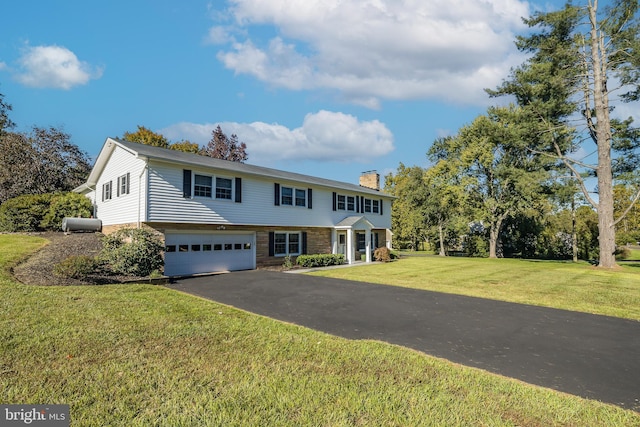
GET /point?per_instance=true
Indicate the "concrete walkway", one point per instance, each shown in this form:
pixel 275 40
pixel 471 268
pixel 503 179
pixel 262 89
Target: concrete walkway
pixel 596 357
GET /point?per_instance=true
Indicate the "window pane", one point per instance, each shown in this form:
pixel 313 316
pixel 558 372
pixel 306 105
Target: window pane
pixel 183 248
pixel 206 247
pixel 228 246
pixel 376 206
pixel 294 243
pixel 280 247
pixel 223 188
pixel 341 203
pixel 367 205
pixel 195 248
pixel 237 246
pixel 287 196
pixel 202 187
pixel 351 204
pixel 170 248
pixel 247 245
pixel 217 247
pixel 301 197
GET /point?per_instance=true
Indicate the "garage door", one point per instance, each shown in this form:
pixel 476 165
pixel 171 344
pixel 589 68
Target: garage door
pixel 193 253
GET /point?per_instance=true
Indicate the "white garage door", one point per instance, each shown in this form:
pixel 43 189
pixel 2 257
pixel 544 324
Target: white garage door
pixel 193 253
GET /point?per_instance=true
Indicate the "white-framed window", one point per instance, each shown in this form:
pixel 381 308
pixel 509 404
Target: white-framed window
pixel 123 184
pixel 223 188
pixel 301 197
pixel 202 186
pixel 107 191
pixel 342 202
pixel 367 205
pixel 286 243
pixel 287 196
pixel 376 206
pixel 351 203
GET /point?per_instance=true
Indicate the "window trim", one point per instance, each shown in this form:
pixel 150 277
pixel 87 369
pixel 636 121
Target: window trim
pixel 230 189
pixel 286 243
pixel 294 200
pixel 199 188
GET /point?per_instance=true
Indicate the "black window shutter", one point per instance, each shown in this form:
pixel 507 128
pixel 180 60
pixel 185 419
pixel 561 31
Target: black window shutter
pixel 238 190
pixel 276 194
pixel 335 196
pixel 380 206
pixel 362 204
pixel 186 183
pixel 309 198
pixel 118 188
pixel 304 243
pixel 357 204
pixel 103 191
pixel 128 181
pixel 272 243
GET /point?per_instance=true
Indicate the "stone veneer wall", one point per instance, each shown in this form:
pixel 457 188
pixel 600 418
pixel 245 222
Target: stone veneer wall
pixel 318 239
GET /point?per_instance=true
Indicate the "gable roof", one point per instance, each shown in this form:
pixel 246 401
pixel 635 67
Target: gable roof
pixel 195 160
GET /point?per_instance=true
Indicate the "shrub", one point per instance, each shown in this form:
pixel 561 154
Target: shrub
pixel 320 260
pixel 382 254
pixel 76 267
pixel 66 205
pixel 288 263
pixel 132 251
pixel 24 213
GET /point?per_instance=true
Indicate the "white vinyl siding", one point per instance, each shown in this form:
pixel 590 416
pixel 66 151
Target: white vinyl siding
pixel 167 204
pixel 116 209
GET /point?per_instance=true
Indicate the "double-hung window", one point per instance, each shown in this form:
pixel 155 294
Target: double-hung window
pixel 202 186
pixel 286 244
pixel 223 188
pixel 341 202
pixel 107 190
pixel 367 205
pixel 287 196
pixel 376 206
pixel 351 203
pixel 301 198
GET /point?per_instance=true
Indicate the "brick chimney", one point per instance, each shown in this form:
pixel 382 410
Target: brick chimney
pixel 370 179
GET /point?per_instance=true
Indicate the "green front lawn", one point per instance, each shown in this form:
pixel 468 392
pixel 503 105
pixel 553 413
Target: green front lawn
pixel 144 355
pixel 577 287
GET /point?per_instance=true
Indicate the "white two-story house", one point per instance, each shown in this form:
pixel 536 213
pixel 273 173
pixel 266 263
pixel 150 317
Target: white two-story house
pixel 217 215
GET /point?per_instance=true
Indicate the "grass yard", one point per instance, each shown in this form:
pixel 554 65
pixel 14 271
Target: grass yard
pixel 144 355
pixel 577 287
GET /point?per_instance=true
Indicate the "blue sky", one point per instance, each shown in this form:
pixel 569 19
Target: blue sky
pixel 328 88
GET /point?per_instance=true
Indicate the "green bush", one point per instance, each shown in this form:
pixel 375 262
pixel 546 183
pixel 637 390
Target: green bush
pixel 76 267
pixel 382 254
pixel 320 260
pixel 132 251
pixel 24 213
pixel 40 212
pixel 63 205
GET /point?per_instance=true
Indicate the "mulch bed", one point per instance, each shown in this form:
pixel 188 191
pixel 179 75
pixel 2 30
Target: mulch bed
pixel 38 269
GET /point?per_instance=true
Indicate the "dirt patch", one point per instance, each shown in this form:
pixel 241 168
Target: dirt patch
pixel 38 269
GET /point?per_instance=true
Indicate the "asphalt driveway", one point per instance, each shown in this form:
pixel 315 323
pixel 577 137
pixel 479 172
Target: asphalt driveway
pixel 596 357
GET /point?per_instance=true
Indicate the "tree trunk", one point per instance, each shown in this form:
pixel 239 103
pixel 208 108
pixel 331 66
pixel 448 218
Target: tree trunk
pixel 441 234
pixel 606 230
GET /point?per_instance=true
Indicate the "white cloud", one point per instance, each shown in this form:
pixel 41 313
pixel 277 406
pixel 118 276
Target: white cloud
pixel 54 67
pixel 324 136
pixel 377 49
pixel 3 66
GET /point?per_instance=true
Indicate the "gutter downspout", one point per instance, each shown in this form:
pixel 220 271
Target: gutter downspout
pixel 144 170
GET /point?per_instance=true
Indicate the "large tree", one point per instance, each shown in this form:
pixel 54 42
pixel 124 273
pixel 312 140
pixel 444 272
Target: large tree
pixel 226 148
pixel 407 215
pixel 5 121
pixel 147 137
pixel 581 56
pixel 41 161
pixel 497 174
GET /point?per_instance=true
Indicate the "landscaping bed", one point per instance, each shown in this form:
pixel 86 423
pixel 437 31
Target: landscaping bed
pixel 38 269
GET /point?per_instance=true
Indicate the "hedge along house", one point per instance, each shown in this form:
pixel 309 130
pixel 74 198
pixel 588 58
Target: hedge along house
pixel 217 215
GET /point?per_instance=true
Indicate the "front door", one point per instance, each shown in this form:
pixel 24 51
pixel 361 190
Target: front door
pixel 342 243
